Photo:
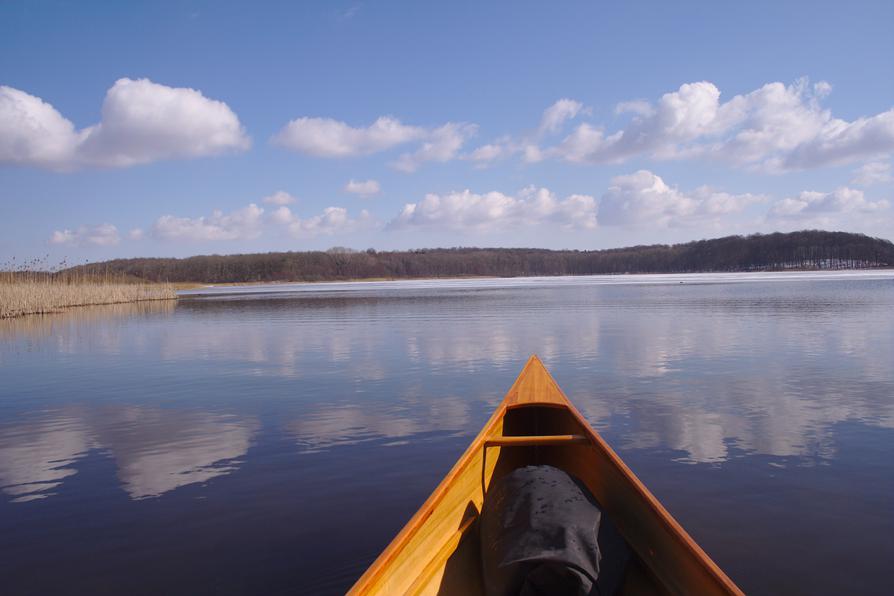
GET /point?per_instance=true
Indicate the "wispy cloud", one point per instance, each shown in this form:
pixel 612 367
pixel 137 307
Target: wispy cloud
pixel 441 145
pixel 363 188
pixel 280 197
pixel 555 116
pixel 872 173
pixel 99 235
pixel 242 224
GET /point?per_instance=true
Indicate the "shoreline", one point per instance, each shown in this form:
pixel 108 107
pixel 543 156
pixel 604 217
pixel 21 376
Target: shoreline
pixel 236 284
pixel 350 280
pixel 68 307
pixel 45 305
pixel 196 289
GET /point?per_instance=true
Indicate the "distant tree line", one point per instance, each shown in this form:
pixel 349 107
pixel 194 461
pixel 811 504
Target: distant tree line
pixel 809 249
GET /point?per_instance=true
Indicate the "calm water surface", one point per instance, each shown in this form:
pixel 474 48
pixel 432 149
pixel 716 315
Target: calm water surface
pixel 274 442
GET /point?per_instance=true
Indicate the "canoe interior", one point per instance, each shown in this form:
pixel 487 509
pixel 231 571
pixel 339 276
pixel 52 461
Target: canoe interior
pixel 438 553
pixel 460 571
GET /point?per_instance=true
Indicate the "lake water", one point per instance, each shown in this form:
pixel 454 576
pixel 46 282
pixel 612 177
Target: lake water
pixel 249 442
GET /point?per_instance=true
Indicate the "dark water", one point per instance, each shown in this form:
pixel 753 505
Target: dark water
pixel 274 443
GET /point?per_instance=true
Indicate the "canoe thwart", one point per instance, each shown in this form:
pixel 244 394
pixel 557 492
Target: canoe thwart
pixel 534 440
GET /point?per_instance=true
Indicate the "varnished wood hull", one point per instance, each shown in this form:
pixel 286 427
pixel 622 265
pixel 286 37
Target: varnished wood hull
pixel 437 551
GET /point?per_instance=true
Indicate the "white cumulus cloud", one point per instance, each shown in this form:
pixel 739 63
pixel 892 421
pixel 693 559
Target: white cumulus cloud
pixel 441 145
pixel 241 224
pixel 644 198
pixel 280 197
pixel 838 142
pixel 552 121
pixel 32 132
pixel 100 235
pixel 333 220
pixel 363 188
pixel 326 137
pixel 465 210
pixel 555 116
pixel 488 153
pixel 247 223
pixel 281 215
pixel 812 204
pixel 640 107
pixel 679 117
pixel 141 122
pixel 775 128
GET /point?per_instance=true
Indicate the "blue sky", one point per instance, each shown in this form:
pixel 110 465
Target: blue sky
pixel 160 129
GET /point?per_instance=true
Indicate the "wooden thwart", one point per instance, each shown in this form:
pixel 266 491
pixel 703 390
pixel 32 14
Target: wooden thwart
pixel 534 440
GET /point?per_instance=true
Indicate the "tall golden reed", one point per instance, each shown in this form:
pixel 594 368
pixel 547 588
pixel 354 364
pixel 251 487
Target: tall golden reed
pixel 25 291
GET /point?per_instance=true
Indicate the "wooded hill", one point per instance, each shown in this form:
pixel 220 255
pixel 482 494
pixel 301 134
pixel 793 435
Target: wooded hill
pixel 809 249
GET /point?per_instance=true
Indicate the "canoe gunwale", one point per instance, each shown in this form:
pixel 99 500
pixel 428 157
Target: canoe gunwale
pixel 443 554
pixel 415 523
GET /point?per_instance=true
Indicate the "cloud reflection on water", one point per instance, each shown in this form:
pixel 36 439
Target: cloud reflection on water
pixel 771 375
pixel 711 371
pixel 328 427
pixel 155 450
pixel 35 457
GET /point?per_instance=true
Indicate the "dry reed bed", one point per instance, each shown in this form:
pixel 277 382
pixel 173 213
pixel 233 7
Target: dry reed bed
pixel 25 297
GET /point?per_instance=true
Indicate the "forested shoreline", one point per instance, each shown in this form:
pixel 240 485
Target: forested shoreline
pixel 809 249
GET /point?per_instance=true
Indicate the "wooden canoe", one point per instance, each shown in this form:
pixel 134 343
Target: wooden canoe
pixel 437 551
